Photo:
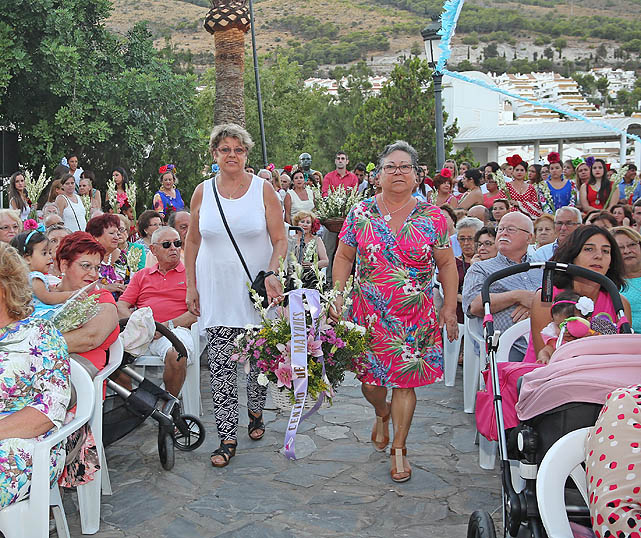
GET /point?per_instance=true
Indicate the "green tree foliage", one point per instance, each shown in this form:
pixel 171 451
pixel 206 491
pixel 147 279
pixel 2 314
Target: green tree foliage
pixel 68 84
pixel 403 110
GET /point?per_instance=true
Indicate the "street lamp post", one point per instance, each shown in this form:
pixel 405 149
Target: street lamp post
pixel 431 40
pixel 259 97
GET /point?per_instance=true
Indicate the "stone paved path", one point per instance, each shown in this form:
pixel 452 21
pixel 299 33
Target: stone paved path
pixel 339 485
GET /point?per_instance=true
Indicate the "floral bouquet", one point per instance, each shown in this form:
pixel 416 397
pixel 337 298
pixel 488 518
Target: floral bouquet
pixel 131 190
pixel 77 310
pixel 86 203
pixel 340 347
pixel 617 179
pixel 134 255
pixel 34 189
pixel 112 196
pixel 333 208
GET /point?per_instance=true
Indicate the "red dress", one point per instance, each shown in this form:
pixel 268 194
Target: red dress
pixel 488 199
pixel 98 356
pixel 529 200
pixel 593 198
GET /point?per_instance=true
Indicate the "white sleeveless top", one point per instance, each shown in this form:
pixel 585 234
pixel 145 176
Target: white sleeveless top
pixel 301 205
pixel 74 215
pixel 220 278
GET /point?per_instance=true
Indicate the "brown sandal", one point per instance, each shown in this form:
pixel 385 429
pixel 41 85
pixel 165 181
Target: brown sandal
pixel 380 433
pixel 398 466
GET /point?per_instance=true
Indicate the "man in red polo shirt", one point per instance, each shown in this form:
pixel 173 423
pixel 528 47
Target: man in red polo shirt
pixel 331 181
pixel 163 288
pixel 340 176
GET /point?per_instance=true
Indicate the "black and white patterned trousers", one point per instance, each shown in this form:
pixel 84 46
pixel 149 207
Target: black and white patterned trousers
pixel 223 376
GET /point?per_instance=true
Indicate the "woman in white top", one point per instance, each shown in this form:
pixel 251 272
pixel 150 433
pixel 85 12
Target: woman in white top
pixel 217 281
pixel 298 198
pixel 70 205
pixel 18 196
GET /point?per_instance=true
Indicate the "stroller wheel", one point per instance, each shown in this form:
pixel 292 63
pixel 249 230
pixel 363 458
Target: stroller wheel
pixel 189 433
pixel 166 449
pixel 480 525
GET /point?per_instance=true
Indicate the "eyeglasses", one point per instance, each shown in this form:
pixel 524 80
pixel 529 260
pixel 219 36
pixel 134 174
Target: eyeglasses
pixel 560 224
pixel 486 244
pixel 227 151
pixel 465 239
pixel 403 168
pixel 166 244
pixel 511 229
pixel 12 227
pixel 88 267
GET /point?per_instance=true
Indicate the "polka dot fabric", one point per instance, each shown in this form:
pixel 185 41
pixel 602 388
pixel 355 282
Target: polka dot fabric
pixel 613 462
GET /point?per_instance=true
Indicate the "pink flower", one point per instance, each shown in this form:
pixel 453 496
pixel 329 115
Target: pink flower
pixel 314 347
pixel 260 342
pixel 30 224
pixel 236 358
pixel 285 351
pixel 284 375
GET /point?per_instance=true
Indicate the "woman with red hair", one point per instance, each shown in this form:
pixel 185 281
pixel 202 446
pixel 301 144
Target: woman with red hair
pixel 79 256
pixel 114 273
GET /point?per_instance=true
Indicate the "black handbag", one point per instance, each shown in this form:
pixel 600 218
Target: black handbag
pixel 258 283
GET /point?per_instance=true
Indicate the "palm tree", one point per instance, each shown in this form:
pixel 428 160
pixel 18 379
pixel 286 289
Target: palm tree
pixel 228 21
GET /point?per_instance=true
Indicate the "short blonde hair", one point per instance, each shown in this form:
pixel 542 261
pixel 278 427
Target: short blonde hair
pixel 545 217
pixel 14 280
pixel 626 230
pixel 13 215
pixel 232 130
pixel 302 215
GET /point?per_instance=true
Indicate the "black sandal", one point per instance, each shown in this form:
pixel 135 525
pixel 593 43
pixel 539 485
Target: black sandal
pixel 227 451
pixel 255 423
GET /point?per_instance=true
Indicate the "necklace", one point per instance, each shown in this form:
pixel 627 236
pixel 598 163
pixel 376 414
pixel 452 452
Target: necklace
pixel 388 217
pixel 231 196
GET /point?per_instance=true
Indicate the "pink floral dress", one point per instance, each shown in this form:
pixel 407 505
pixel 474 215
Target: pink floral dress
pixel 393 293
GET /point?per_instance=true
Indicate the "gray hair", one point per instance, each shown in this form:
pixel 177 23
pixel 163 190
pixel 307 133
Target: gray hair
pixel 469 222
pixel 12 214
pixel 56 228
pixel 399 145
pixel 172 217
pixel 48 205
pixel 264 170
pixel 225 130
pixel 577 213
pixel 160 231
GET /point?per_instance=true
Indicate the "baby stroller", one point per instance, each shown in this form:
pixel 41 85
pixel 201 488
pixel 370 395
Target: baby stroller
pixel 126 409
pixel 534 437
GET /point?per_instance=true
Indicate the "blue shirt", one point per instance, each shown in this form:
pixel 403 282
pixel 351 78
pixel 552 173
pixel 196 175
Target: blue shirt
pixel 636 194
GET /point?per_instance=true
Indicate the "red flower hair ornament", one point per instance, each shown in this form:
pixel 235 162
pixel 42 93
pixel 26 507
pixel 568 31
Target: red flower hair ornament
pixel 554 157
pixel 514 160
pixel 445 172
pixel 166 168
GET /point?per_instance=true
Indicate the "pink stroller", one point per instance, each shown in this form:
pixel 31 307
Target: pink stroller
pixel 564 396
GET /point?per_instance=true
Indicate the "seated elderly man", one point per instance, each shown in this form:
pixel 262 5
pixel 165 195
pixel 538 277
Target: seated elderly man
pixel 163 288
pixel 511 297
pixel 179 220
pixel 566 220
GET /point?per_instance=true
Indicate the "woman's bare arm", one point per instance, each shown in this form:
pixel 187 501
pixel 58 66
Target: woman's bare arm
pixel 93 333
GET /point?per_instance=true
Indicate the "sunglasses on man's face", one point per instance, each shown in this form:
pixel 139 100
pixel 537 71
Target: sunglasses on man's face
pixel 177 243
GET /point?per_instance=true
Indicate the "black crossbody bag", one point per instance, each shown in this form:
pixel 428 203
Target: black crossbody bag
pixel 258 283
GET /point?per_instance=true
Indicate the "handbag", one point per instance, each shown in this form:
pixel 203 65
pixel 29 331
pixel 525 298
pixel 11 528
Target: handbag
pixel 258 283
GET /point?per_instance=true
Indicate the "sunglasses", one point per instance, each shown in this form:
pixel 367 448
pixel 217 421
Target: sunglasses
pixel 166 244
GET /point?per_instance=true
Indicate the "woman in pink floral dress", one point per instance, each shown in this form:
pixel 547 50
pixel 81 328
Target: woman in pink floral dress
pixel 397 242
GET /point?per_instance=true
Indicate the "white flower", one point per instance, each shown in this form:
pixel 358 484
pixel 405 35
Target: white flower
pixel 411 289
pixel 262 380
pixel 585 305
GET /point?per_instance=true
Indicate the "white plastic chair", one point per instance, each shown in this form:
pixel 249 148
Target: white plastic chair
pixel 487 449
pixel 89 493
pixel 472 361
pixel 29 518
pixel 450 355
pixel 563 460
pixel 192 404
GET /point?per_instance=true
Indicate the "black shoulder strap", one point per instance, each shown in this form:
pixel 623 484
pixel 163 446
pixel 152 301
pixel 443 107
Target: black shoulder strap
pixel 233 241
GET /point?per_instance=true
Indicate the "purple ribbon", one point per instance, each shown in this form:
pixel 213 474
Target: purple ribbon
pixel 299 361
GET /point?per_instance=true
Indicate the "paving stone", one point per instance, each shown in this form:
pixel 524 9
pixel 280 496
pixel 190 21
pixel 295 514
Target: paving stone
pixel 280 425
pixel 259 530
pixel 303 447
pixel 469 499
pixel 332 432
pixel 463 440
pixel 344 452
pixel 307 475
pixel 342 414
pixel 439 429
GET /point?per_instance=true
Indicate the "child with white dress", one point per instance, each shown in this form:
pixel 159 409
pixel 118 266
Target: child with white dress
pixel 33 246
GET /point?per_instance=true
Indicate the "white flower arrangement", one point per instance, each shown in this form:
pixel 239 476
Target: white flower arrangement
pixel 112 196
pixel 134 256
pixel 131 190
pixel 77 310
pixel 337 203
pixel 616 180
pixel 34 188
pixel 86 202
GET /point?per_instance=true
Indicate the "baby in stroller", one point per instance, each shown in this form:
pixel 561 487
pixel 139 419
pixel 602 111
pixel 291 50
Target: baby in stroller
pixel 570 321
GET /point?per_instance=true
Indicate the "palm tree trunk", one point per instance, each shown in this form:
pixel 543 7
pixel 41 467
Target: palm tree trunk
pixel 229 106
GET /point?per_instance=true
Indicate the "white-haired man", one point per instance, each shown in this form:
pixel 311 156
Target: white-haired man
pixel 566 220
pixel 511 297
